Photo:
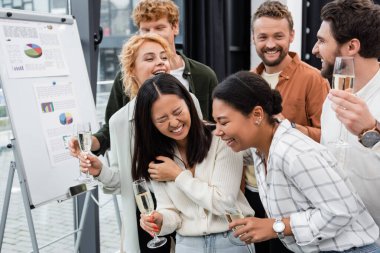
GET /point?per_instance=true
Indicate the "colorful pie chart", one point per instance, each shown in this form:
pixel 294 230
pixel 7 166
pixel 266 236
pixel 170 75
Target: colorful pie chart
pixel 65 118
pixel 33 50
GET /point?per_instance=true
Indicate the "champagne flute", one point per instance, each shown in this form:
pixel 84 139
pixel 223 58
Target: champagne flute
pixel 146 206
pixel 343 79
pixel 84 136
pixel 233 213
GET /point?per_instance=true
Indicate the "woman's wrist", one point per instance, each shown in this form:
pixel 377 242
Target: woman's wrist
pixel 95 145
pixel 99 171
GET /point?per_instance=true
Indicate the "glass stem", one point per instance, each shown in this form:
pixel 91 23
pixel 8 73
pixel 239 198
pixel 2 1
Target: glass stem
pixel 341 137
pixel 155 237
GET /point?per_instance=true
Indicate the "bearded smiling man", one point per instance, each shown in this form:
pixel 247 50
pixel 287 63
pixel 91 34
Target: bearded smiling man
pixel 301 86
pixel 356 114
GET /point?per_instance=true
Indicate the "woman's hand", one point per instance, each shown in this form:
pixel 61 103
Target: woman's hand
pixel 167 170
pixel 252 229
pixel 90 163
pixel 151 223
pixel 74 147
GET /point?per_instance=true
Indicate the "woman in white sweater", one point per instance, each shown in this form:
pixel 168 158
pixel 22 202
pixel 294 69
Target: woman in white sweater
pixel 142 57
pixel 193 172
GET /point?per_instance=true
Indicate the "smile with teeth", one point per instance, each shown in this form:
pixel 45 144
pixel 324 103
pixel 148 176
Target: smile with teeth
pixel 178 129
pixel 271 52
pixel 160 71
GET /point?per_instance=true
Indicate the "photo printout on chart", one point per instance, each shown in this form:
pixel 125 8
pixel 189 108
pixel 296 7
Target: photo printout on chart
pixel 32 49
pixel 58 112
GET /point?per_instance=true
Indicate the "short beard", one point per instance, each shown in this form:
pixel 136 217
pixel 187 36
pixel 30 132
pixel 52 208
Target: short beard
pixel 327 72
pixel 282 56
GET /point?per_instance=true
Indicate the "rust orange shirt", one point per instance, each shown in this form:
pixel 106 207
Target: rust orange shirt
pixel 303 92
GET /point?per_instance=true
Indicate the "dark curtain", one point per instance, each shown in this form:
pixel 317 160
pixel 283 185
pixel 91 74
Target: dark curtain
pixel 312 14
pixel 206 35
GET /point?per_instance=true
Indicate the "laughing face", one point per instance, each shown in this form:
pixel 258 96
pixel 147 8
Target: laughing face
pixel 229 122
pixel 272 38
pixel 326 48
pixel 171 117
pixel 151 60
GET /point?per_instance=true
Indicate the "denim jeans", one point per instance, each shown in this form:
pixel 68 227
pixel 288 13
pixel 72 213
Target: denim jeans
pixel 372 248
pixel 214 243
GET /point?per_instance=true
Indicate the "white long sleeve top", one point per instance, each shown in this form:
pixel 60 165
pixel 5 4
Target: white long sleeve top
pixel 361 164
pixel 195 206
pixel 117 179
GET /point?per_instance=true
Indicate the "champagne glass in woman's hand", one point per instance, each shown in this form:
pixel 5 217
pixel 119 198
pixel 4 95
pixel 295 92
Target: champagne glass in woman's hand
pixel 343 79
pixel 233 213
pixel 84 137
pixel 146 206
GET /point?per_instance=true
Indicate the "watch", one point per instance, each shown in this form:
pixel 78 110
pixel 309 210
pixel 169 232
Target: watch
pixel 370 137
pixel 279 227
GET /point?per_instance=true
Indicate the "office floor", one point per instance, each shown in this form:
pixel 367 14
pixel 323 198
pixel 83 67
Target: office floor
pixel 50 221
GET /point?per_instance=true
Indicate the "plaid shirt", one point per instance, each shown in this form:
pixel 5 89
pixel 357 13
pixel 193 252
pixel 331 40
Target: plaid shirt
pixel 303 182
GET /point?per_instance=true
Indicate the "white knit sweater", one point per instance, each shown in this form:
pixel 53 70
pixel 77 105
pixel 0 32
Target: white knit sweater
pixel 195 206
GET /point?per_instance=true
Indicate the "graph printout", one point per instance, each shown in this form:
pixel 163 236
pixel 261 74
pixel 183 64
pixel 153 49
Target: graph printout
pixel 32 49
pixel 58 113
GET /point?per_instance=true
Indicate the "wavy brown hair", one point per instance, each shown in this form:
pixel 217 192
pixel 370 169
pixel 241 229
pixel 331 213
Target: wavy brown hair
pixel 273 9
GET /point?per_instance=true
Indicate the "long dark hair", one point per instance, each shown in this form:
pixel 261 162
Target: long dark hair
pixel 149 142
pixel 245 90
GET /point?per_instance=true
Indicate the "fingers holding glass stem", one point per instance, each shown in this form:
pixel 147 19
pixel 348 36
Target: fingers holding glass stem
pixel 90 164
pixel 145 204
pixel 151 223
pixel 84 138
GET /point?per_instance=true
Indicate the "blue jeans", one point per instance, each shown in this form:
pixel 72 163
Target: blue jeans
pixel 214 243
pixel 372 248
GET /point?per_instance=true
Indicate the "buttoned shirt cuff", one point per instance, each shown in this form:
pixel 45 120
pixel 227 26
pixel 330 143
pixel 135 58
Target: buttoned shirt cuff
pixel 304 231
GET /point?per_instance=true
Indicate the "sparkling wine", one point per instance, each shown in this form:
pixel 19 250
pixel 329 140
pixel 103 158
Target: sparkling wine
pixel 231 216
pixel 85 139
pixel 343 82
pixel 145 203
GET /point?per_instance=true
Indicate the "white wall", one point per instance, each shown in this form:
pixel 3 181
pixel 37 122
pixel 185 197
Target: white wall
pixel 295 7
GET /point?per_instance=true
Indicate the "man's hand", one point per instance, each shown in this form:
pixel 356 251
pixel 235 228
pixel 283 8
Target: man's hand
pixel 352 111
